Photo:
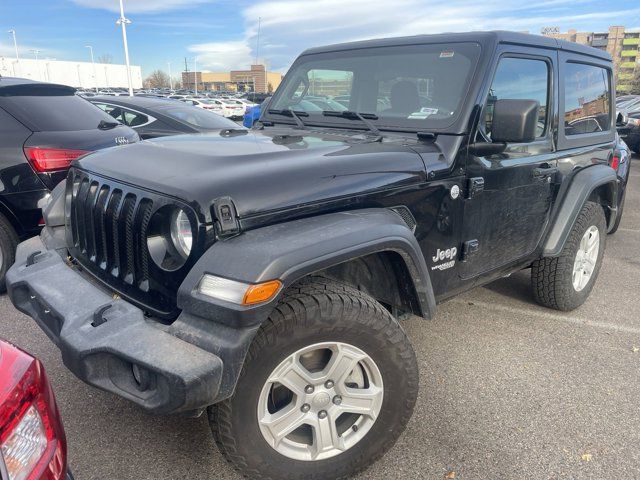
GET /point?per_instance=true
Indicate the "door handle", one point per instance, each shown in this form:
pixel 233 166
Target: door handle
pixel 544 171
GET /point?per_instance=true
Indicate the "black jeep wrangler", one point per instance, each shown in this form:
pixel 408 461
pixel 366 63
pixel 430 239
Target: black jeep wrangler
pixel 261 275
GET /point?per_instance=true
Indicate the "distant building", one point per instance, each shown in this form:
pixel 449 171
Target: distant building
pixel 622 45
pixel 257 79
pixel 75 74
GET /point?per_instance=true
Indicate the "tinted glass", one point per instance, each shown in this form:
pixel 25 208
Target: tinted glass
pixel 197 117
pixel 123 115
pixel 56 113
pixel 586 99
pixel 417 86
pixel 520 79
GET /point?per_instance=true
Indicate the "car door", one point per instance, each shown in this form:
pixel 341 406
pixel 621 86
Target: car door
pixel 510 194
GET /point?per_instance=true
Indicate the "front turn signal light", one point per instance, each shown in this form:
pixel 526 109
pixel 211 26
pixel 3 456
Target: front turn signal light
pixel 261 292
pixel 238 292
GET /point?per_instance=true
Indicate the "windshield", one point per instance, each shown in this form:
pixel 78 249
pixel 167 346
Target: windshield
pixel 414 86
pixel 197 117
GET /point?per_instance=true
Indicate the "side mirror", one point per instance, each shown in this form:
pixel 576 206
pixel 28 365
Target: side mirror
pixel 514 121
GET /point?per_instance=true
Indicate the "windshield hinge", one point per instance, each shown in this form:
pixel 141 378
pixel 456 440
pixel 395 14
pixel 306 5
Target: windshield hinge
pixel 225 213
pixel 427 136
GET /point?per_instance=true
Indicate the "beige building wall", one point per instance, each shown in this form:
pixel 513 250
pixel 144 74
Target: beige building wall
pixel 256 79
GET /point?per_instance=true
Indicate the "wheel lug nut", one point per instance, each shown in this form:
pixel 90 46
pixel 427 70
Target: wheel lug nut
pixel 305 408
pixel 337 400
pixel 322 414
pixel 308 389
pixel 329 384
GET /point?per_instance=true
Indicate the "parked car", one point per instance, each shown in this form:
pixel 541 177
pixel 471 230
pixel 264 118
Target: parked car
pixel 43 128
pixel 32 439
pixel 264 276
pixel 156 117
pixel 621 163
pixel 221 107
pixel 251 116
pixel 256 97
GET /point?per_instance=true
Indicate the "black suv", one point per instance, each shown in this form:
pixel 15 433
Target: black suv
pixel 43 127
pixel 264 275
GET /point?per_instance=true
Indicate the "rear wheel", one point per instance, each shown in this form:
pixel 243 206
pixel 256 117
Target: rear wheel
pixel 8 244
pixel 565 282
pixel 327 387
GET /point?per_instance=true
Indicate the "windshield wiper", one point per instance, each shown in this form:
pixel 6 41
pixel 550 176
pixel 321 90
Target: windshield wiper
pixel 104 125
pixel 363 117
pixel 287 112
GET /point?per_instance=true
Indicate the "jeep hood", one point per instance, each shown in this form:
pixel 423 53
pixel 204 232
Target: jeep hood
pixel 262 171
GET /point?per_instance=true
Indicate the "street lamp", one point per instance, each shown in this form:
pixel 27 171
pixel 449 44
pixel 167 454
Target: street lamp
pixel 170 81
pixel 15 43
pixel 95 77
pixel 15 46
pixel 122 21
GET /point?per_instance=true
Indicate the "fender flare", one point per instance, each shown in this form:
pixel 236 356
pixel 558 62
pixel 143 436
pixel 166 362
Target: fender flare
pixel 580 189
pixel 292 250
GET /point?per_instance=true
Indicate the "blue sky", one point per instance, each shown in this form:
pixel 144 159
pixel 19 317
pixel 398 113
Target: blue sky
pixel 222 33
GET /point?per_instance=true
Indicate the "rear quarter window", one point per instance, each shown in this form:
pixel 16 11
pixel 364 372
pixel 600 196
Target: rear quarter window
pixel 587 97
pixel 55 113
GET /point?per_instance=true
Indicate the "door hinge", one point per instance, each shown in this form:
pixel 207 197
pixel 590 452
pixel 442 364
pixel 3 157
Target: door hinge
pixel 469 248
pixel 475 185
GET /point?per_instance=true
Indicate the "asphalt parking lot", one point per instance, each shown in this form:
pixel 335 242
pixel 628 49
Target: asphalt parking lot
pixel 509 390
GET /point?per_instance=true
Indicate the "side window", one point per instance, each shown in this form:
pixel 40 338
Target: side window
pixel 114 111
pixel 587 94
pixel 134 119
pixel 520 79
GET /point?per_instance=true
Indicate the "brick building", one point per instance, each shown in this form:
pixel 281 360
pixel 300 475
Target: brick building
pixel 623 46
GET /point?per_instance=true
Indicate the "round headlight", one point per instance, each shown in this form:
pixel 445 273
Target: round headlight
pixel 181 233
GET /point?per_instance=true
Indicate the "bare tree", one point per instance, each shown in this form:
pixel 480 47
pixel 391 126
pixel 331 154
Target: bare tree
pixel 105 58
pixel 157 79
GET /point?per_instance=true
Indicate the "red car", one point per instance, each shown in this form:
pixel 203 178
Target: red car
pixel 32 441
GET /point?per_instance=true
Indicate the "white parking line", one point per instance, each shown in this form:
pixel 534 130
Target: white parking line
pixel 635 230
pixel 547 315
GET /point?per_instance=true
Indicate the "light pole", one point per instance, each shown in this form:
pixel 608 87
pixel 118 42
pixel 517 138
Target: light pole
pixel 15 43
pixel 122 21
pixel 195 74
pixel 95 77
pixel 35 52
pixel 170 81
pixel 15 46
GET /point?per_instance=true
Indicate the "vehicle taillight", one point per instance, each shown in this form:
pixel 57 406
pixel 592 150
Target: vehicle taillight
pixel 32 440
pixel 51 159
pixel 615 162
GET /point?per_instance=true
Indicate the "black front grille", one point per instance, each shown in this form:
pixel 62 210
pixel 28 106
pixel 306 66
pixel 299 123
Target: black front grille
pixel 107 230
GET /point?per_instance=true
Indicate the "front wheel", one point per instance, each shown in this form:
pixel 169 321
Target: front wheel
pixel 327 387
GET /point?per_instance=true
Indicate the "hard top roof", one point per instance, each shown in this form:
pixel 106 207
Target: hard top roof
pixel 488 37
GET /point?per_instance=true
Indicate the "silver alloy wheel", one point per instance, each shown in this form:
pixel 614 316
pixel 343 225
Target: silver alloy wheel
pixel 586 258
pixel 320 401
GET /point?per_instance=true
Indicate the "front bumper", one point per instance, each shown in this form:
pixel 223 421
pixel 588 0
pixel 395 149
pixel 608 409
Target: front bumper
pixel 109 343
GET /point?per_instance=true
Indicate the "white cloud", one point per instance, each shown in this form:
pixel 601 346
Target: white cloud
pixel 290 26
pixel 140 6
pixel 221 56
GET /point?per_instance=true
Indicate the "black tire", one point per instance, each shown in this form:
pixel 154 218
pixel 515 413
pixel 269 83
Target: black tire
pixel 552 278
pixel 313 311
pixel 8 244
pixel 619 217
